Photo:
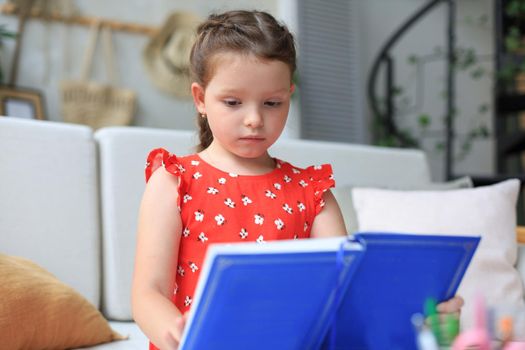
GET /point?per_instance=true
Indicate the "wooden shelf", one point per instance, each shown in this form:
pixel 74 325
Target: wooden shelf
pixel 520 234
pixel 10 9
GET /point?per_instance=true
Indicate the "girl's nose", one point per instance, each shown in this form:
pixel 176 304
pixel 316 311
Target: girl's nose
pixel 254 119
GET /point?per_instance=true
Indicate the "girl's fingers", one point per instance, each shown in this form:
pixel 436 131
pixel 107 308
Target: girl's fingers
pixel 172 343
pixel 180 324
pixel 451 306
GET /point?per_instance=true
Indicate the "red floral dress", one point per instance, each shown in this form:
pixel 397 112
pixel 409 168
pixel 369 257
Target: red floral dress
pixel 216 206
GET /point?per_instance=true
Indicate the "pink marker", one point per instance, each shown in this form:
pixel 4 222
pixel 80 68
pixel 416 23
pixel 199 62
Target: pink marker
pixel 477 337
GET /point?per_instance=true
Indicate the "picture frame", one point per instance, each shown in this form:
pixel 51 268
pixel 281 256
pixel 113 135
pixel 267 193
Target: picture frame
pixel 21 103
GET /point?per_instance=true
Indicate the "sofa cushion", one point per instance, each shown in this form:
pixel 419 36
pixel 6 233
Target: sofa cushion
pixel 358 165
pixel 123 152
pixel 488 211
pixel 49 200
pixel 343 195
pixel 37 311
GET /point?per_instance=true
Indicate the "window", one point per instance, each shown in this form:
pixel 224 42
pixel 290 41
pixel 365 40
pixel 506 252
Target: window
pixel 331 96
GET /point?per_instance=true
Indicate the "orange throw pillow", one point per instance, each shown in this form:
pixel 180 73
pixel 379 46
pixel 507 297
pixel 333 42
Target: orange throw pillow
pixel 37 311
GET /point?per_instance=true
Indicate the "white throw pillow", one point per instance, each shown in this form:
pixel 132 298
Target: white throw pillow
pixel 488 211
pixel 343 195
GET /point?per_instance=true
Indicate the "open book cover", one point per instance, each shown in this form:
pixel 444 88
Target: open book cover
pixel 289 294
pixel 277 295
pixel 396 275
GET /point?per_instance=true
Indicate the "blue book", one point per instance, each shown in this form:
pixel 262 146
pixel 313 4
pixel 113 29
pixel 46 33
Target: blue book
pixel 294 294
pixel 395 277
pixel 277 295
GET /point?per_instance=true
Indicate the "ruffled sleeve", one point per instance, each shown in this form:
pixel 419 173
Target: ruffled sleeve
pixel 160 157
pixel 321 179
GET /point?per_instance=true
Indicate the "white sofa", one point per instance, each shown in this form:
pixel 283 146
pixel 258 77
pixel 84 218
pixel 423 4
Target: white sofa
pixel 69 198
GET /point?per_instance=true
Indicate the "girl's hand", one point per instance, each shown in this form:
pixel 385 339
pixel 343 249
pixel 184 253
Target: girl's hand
pixel 451 306
pixel 173 337
pixel 181 324
pixel 443 319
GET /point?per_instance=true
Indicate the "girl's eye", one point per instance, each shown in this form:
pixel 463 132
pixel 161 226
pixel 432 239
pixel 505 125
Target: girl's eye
pixel 273 103
pixel 231 103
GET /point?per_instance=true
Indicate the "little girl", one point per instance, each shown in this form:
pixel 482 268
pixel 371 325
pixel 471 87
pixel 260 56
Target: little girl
pixel 232 190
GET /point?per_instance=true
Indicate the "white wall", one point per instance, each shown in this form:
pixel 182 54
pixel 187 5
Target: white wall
pixel 53 51
pixel 380 18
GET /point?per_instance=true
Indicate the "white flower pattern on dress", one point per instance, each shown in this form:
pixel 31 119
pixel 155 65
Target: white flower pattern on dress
pixel 199 215
pixel 260 239
pixel 229 203
pixel 287 208
pixel 245 200
pixel 270 194
pixel 220 219
pixel 186 198
pixel 258 219
pixel 243 234
pixel 186 232
pixel 202 237
pixel 222 181
pixel 279 224
pixel 187 301
pixel 212 190
pixel 197 175
pixel 193 266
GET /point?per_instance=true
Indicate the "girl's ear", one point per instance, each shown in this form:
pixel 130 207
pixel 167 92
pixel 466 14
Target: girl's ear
pixel 197 91
pixel 292 88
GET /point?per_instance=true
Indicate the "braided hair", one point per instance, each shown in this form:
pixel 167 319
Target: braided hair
pixel 245 32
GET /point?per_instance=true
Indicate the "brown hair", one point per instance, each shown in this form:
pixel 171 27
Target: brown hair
pixel 246 32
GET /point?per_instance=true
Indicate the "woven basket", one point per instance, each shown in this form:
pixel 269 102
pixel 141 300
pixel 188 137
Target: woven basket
pixel 97 104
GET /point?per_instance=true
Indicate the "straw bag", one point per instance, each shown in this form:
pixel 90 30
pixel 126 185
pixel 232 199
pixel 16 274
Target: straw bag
pixel 93 103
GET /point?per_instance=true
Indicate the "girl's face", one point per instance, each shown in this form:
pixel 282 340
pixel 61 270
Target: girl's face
pixel 246 103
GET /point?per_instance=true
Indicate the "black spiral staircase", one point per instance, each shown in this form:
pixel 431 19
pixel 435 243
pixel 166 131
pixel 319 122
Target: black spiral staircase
pixel 385 116
pixel 508 143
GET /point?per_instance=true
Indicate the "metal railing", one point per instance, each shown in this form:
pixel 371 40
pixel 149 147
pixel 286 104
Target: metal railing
pixel 386 117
